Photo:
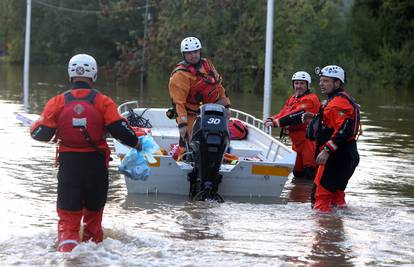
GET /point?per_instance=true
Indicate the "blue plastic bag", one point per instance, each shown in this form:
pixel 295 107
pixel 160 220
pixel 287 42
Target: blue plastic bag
pixel 135 164
pixel 149 146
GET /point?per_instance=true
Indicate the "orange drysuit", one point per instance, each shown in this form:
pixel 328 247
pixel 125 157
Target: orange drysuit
pixel 290 118
pixel 336 133
pixel 79 119
pixel 186 81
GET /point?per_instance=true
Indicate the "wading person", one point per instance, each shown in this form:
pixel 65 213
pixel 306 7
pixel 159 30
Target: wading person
pixel 335 129
pixel 193 82
pixel 80 119
pixel 290 119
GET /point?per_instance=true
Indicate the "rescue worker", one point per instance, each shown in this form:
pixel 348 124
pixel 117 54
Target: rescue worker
pixel 290 119
pixel 335 128
pixel 80 119
pixel 193 82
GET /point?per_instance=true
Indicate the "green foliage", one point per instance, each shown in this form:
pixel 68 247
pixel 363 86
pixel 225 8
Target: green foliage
pixel 372 39
pixel 231 33
pixel 12 29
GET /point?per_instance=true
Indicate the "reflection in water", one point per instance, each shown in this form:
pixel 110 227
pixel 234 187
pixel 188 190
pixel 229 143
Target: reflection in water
pixel 376 230
pixel 329 246
pixel 192 220
pixel 300 190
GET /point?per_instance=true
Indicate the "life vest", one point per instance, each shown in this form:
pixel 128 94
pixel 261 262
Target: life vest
pixel 357 128
pixel 80 124
pixel 205 88
pixel 318 131
pixel 238 130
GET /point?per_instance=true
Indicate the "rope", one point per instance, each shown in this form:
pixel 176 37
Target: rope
pixel 65 9
pixel 137 120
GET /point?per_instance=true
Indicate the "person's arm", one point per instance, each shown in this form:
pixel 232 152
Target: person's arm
pixel 339 116
pixel 294 116
pixel 270 122
pixel 341 119
pixel 117 126
pixel 45 127
pixel 179 87
pixel 223 100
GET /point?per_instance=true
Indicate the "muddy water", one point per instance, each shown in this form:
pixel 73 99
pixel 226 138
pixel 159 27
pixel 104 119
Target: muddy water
pixel 376 230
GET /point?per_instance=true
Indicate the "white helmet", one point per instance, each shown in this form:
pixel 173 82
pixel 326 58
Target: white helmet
pixel 190 44
pixel 302 76
pixel 83 65
pixel 333 71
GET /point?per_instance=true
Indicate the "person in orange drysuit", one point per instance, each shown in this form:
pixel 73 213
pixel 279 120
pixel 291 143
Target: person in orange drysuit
pixel 335 128
pixel 80 119
pixel 193 82
pixel 290 118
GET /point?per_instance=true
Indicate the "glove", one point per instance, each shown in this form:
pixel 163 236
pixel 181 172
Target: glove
pixel 183 132
pixel 307 117
pixel 268 122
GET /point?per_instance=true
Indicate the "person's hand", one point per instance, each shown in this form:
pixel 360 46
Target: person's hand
pixel 322 158
pixel 183 132
pixel 268 122
pixel 138 146
pixel 307 117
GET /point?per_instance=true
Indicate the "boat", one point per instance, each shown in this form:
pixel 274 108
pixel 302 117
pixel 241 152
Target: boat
pixel 262 168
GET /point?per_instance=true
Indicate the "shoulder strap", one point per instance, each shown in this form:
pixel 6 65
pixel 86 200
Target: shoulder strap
pixel 181 66
pixel 357 115
pixel 89 98
pixel 184 66
pixel 349 98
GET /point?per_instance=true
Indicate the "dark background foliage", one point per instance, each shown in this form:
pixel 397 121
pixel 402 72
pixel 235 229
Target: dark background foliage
pixel 372 39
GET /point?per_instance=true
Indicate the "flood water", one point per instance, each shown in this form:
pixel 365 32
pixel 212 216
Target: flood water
pixel 376 230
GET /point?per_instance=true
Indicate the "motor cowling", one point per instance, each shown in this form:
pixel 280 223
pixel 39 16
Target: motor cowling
pixel 209 141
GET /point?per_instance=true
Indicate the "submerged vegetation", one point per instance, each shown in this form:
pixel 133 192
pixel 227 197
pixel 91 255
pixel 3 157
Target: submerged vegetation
pixel 372 39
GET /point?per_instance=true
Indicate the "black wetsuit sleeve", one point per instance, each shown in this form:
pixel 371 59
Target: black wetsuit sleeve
pixel 123 132
pixel 42 133
pixel 344 133
pixel 291 119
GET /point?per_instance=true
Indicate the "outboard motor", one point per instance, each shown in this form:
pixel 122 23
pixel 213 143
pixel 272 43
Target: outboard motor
pixel 209 142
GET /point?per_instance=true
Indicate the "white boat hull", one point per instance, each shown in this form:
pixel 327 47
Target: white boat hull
pixel 262 170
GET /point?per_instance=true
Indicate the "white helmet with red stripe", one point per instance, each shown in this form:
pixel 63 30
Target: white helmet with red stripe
pixel 83 65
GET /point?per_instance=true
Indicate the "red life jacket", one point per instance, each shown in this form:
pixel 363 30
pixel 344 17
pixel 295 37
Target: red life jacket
pixel 318 131
pixel 205 89
pixel 80 124
pixel 237 129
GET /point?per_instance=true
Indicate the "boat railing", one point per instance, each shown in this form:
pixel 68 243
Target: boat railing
pixel 274 146
pixel 235 113
pixel 127 105
pixel 243 116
